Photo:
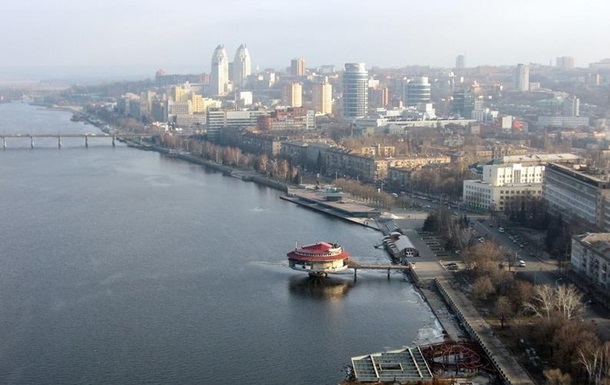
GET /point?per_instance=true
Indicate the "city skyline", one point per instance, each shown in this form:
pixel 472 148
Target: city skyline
pixel 155 34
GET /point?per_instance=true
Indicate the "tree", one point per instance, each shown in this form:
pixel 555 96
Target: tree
pixel 567 341
pixel 503 309
pixel 563 301
pixel 431 223
pixel 557 377
pixel 263 164
pixel 596 361
pixel 482 288
pixel 484 257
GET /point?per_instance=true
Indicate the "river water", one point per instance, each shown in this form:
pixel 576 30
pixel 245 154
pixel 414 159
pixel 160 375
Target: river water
pixel 120 266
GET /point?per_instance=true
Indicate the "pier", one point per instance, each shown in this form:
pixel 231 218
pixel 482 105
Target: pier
pixel 356 265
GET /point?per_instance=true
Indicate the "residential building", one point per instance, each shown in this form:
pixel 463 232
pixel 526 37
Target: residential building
pixel 522 77
pixel 460 62
pixel 242 67
pixel 590 258
pixel 571 106
pixel 322 97
pixel 292 94
pixel 379 97
pixel 297 67
pixel 370 168
pixel 219 79
pixel 297 118
pixel 355 90
pixel 565 62
pixel 400 178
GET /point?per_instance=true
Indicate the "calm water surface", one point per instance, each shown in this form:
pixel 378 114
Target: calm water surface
pixel 119 266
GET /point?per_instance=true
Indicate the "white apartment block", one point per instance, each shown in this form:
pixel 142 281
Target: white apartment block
pixel 503 187
pixel 590 257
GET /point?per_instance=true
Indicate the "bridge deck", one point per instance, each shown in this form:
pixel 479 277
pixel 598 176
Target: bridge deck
pixel 357 265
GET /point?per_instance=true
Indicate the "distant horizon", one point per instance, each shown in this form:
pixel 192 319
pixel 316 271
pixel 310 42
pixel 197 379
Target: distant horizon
pixel 37 73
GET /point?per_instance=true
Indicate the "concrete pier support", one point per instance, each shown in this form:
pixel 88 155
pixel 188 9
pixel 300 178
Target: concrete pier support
pixel 86 141
pixel 58 141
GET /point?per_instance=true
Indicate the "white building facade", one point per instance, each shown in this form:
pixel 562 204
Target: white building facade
pixel 504 187
pixel 590 258
pixel 219 78
pixel 242 66
pixel 355 90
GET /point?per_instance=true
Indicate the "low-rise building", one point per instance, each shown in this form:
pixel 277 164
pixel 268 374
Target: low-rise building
pixel 504 187
pixel 590 258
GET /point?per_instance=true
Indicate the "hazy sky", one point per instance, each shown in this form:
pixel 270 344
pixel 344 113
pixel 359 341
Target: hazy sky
pixel 180 35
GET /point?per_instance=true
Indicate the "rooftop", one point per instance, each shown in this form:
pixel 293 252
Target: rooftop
pixel 405 365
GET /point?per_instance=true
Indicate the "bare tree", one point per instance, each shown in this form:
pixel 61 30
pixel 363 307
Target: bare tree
pixel 557 377
pixel 503 309
pixel 483 287
pixel 596 361
pixel 564 300
pixel 569 301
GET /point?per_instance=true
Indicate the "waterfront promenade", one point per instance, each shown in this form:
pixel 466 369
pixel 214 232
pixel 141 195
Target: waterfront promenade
pixel 437 285
pixel 429 275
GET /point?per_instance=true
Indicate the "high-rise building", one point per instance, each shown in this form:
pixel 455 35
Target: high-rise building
pixel 292 94
pixel 297 67
pixel 417 91
pixel 322 97
pixel 463 103
pixel 355 90
pixel 571 106
pixel 219 80
pixel 379 97
pixel 242 66
pixel 460 62
pixel 522 77
pixel 566 62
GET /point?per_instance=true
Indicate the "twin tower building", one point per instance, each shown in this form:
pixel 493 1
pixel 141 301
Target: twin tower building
pixel 221 77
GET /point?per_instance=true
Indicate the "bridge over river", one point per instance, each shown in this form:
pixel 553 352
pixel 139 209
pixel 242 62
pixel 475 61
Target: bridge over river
pixel 86 137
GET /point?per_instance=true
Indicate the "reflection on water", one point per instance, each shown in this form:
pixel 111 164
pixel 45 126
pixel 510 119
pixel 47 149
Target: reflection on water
pixel 318 287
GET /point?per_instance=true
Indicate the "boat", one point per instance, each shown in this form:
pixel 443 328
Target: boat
pixel 319 259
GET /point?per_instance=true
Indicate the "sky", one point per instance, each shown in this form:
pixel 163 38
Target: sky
pixel 179 36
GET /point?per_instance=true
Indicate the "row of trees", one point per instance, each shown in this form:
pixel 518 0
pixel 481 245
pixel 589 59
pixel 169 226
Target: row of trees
pixel 366 193
pixel 279 168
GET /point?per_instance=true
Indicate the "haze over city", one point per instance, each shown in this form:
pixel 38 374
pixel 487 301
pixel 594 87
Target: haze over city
pixel 137 37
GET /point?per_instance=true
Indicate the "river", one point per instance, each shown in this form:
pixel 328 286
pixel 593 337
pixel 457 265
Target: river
pixel 120 266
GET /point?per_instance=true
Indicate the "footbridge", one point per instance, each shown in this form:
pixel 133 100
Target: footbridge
pixel 355 265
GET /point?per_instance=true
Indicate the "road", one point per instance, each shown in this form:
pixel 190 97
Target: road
pixel 542 270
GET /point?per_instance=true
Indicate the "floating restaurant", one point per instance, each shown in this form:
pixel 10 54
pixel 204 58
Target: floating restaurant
pixel 319 259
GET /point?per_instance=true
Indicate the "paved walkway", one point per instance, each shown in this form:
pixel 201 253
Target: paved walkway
pixel 430 272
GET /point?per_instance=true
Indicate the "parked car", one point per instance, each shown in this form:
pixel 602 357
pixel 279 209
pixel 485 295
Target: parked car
pixel 521 263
